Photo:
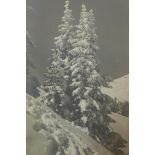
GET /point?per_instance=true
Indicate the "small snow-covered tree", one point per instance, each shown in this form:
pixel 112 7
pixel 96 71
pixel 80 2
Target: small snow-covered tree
pixel 55 82
pixel 85 79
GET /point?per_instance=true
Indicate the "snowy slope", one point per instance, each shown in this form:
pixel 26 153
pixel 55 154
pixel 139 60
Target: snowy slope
pixel 36 143
pixel 68 139
pixel 119 88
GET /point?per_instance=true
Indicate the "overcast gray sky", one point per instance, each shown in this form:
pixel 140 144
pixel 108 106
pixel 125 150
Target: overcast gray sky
pixel 112 20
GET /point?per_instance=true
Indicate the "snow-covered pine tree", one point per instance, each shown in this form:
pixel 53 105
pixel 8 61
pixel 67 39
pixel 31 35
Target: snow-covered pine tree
pixel 55 84
pixel 89 108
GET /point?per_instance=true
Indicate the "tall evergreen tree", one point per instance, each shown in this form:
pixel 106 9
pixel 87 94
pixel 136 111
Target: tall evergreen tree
pixel 55 82
pixel 85 80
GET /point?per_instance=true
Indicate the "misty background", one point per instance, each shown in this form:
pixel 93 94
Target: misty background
pixel 112 21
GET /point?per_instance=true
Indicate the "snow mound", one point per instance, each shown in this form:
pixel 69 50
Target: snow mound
pixel 69 139
pixel 119 88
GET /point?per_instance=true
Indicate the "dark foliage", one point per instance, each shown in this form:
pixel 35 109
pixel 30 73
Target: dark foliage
pixel 115 143
pixel 125 109
pixel 31 86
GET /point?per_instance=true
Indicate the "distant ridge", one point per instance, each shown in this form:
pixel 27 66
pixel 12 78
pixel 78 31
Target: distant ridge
pixel 119 88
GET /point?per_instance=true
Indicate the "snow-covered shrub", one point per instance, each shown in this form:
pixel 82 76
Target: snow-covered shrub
pixel 116 106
